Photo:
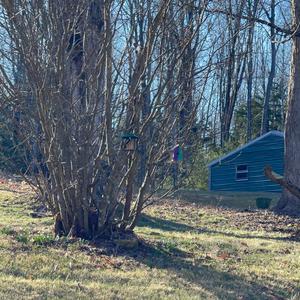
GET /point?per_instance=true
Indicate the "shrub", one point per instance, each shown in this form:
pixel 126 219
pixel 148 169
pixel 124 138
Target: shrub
pixel 198 177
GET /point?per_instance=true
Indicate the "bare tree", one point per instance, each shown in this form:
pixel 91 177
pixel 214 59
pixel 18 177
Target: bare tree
pixel 91 78
pixel 235 67
pixel 265 116
pixel 252 11
pixel 289 201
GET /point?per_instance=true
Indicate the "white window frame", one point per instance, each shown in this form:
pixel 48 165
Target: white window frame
pixel 241 172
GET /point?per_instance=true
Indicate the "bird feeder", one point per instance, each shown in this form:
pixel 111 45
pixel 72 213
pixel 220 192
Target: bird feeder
pixel 177 153
pixel 129 142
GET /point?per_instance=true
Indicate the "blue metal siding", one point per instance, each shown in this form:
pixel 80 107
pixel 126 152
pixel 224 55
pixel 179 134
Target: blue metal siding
pixel 267 151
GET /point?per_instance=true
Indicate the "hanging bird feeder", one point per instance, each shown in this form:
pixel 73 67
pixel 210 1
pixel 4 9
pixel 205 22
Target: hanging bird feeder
pixel 177 153
pixel 129 141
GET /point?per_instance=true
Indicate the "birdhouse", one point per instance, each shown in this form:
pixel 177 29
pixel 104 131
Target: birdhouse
pixel 129 142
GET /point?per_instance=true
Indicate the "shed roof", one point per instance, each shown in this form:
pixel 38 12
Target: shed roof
pixel 273 132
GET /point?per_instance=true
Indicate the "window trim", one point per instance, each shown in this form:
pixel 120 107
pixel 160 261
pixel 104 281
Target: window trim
pixel 246 171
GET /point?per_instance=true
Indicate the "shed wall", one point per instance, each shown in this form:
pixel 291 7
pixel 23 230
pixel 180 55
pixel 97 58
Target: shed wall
pixel 267 151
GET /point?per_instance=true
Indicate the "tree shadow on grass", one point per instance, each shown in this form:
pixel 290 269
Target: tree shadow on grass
pixel 167 225
pixel 197 274
pixel 220 284
pixel 248 236
pixel 198 271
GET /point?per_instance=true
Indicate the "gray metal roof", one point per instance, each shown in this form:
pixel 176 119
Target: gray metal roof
pixel 273 132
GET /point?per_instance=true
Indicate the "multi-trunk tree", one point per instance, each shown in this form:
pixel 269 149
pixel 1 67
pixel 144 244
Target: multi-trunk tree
pixel 85 77
pixel 94 79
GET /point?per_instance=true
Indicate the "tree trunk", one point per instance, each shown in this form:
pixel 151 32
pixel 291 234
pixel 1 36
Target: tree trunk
pixel 235 72
pixel 288 202
pixel 265 117
pixel 250 71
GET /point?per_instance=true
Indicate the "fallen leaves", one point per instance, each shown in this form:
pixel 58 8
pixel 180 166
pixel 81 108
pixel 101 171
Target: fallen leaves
pixel 14 184
pixel 222 217
pixel 224 255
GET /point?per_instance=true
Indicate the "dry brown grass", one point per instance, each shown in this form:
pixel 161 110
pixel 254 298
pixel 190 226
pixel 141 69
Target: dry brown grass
pixel 189 249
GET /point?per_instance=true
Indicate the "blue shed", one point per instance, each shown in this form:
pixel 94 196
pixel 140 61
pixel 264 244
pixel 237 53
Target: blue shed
pixel 243 169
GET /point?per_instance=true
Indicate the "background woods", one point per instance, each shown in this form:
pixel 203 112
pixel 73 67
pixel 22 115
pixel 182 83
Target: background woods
pixel 79 79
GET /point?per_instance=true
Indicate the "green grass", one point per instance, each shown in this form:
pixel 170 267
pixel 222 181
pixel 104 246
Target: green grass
pixel 192 246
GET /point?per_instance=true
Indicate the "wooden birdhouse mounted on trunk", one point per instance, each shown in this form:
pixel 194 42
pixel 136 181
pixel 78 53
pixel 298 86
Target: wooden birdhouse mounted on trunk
pixel 129 142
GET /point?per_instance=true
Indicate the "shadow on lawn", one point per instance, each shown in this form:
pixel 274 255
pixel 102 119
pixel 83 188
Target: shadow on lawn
pixel 167 225
pixel 220 284
pixel 192 272
pixel 248 236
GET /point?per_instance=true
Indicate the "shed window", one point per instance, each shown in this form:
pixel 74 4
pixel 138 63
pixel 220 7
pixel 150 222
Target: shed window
pixel 241 172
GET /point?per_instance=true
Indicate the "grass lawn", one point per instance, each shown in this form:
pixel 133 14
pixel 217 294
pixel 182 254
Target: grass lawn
pixel 193 246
